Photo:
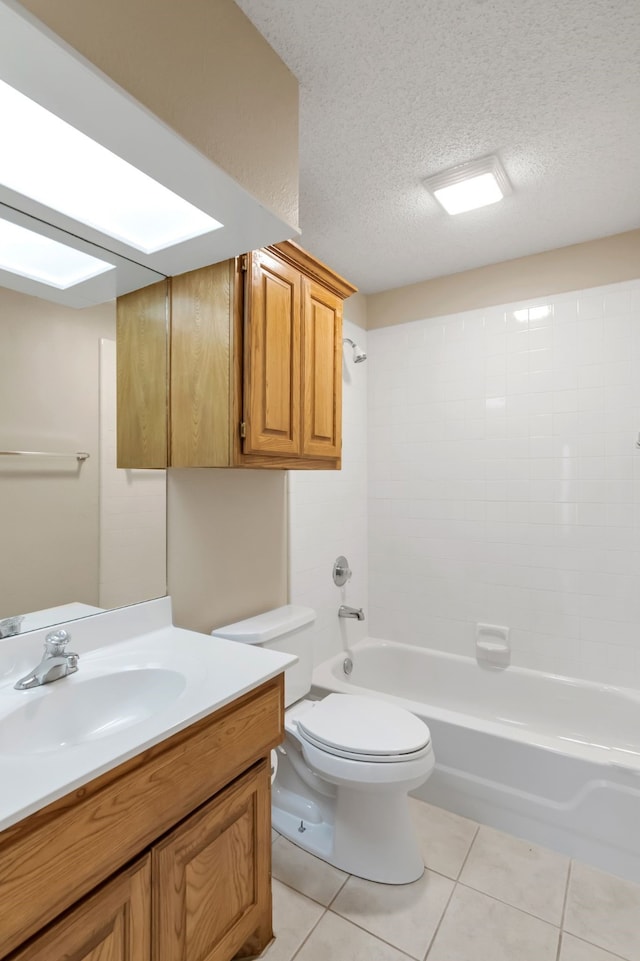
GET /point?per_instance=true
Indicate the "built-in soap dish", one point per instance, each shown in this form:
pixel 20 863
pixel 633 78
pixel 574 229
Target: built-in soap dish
pixel 492 645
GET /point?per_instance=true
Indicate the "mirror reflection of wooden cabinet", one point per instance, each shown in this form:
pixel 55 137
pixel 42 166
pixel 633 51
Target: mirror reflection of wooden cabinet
pixel 255 365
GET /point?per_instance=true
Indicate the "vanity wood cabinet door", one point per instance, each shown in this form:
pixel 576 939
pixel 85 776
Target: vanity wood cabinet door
pixel 272 357
pixel 114 924
pixel 212 877
pixel 322 371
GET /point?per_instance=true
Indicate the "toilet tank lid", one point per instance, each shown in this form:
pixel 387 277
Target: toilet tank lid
pixel 265 627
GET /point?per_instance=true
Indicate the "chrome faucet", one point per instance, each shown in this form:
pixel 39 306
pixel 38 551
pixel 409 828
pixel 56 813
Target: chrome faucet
pixel 344 611
pixel 55 663
pixel 9 626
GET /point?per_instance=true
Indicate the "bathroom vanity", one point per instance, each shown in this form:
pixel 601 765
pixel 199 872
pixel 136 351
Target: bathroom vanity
pixel 164 853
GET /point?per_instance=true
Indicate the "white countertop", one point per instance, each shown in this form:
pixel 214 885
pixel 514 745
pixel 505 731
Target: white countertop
pixel 215 672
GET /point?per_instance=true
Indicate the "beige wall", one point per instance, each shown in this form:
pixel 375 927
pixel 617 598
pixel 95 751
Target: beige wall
pixel 227 545
pixel 49 401
pixel 592 264
pixel 203 68
pixel 355 310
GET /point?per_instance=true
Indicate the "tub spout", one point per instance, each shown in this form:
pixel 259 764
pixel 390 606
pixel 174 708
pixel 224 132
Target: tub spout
pixel 344 611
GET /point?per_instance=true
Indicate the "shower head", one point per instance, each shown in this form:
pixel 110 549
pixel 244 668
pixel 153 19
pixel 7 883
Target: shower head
pixel 358 353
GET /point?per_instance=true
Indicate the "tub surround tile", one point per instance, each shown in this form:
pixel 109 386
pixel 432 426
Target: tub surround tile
pixel 480 426
pixel 305 873
pixel 524 875
pixel 339 939
pixel 294 917
pixel 478 928
pixel 604 910
pixel 405 915
pixel 575 950
pixel 445 838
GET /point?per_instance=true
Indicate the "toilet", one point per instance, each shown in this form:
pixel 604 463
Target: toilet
pixel 347 763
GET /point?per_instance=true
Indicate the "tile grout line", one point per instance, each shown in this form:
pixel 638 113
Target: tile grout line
pixel 455 885
pixel 590 944
pixel 466 857
pixel 359 926
pixel 507 904
pixel 309 897
pixel 564 910
pixel 307 936
pixel 566 895
pixel 376 937
pixel 442 917
pixel 338 891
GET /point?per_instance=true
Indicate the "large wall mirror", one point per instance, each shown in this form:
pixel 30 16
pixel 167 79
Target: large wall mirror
pixel 78 535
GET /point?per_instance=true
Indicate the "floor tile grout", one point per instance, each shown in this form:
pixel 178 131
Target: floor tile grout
pixel 442 917
pixel 466 857
pixel 308 935
pixel 618 957
pixel 339 890
pixel 507 904
pixel 564 910
pixel 372 935
pixel 309 897
pixel 558 926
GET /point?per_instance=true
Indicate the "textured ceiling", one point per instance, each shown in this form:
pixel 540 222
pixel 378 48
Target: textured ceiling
pixel 395 90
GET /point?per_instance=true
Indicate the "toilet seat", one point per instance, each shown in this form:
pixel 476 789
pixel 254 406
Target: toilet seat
pixel 363 729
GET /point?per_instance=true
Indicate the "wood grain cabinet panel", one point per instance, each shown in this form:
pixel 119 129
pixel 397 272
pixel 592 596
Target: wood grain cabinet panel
pixel 141 362
pixel 272 357
pixel 201 344
pixel 114 924
pixel 322 372
pixel 254 366
pixel 211 877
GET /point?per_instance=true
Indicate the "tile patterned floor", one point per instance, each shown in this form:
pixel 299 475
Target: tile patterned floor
pixel 485 896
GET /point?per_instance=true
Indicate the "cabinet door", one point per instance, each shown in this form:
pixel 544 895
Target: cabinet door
pixel 272 357
pixel 114 924
pixel 322 372
pixel 211 877
pixel 201 348
pixel 142 338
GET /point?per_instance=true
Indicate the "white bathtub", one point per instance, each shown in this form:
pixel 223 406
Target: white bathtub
pixel 548 758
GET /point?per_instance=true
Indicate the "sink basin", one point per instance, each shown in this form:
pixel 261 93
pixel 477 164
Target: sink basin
pixel 80 710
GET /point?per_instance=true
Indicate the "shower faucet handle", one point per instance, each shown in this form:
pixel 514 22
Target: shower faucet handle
pixel 341 571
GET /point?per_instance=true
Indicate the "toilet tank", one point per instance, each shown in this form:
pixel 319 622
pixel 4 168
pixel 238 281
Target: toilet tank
pixel 288 629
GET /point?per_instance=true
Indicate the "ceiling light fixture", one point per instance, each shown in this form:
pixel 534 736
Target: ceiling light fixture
pixel 47 261
pixel 48 160
pixel 470 185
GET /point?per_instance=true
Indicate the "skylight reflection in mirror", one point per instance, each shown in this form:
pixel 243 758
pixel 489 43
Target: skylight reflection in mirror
pixel 48 160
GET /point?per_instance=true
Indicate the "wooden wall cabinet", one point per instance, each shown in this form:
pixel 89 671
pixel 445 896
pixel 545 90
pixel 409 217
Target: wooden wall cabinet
pixel 190 821
pixel 255 364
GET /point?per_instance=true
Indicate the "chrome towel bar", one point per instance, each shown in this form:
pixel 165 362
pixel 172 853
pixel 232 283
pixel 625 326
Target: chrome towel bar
pixel 79 455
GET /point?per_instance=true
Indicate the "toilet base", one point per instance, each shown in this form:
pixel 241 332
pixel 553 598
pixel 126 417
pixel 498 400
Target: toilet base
pixel 365 834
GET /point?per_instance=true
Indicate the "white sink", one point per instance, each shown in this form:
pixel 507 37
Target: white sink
pixel 77 710
pixel 140 680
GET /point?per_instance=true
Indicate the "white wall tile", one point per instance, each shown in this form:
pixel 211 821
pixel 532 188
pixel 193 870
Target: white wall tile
pixel 328 509
pixel 516 496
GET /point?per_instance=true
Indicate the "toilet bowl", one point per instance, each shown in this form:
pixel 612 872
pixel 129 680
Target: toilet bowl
pixel 346 764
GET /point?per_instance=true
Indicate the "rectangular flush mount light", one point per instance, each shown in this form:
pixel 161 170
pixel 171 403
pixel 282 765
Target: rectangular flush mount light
pixel 40 258
pixel 469 186
pixel 48 160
